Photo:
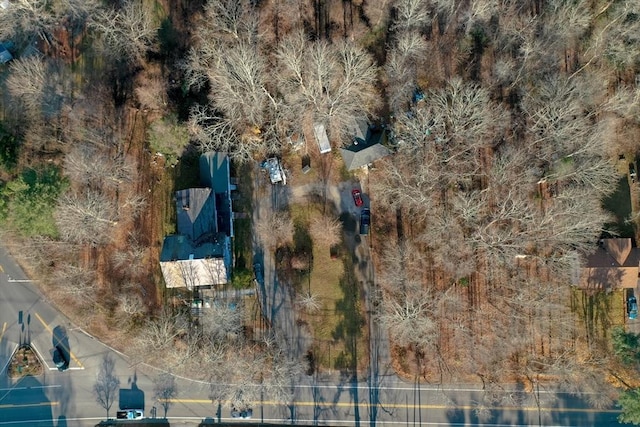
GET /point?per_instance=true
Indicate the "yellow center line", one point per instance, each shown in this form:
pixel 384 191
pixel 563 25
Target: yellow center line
pixel 4 328
pixel 407 406
pixel 26 405
pixel 51 331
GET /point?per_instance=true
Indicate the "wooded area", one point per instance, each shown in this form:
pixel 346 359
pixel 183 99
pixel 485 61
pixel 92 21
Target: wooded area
pixel 506 119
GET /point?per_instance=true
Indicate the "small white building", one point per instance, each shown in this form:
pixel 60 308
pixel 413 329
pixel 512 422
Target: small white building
pixel 321 138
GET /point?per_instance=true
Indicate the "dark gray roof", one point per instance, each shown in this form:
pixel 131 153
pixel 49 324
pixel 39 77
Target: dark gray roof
pixel 361 154
pixel 196 212
pixel 214 171
pixel 178 248
pixel 359 130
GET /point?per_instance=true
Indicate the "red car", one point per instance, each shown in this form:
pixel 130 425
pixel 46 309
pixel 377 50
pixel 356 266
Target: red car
pixel 357 197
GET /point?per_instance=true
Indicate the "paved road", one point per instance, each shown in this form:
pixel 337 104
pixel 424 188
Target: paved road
pixel 54 398
pixel 65 399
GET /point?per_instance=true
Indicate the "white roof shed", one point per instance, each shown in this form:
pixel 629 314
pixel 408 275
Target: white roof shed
pixel 321 137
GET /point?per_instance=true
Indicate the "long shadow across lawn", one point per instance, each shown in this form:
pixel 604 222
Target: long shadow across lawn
pixel 349 331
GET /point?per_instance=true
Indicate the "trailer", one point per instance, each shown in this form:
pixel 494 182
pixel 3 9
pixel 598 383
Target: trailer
pixel 321 138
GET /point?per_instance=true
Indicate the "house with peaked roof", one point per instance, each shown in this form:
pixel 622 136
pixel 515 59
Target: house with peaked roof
pixel 613 265
pixel 199 255
pixel 366 147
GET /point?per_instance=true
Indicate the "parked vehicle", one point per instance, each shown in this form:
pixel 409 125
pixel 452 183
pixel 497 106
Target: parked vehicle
pixel 357 197
pixel 365 221
pixel 131 414
pixel 244 414
pixel 632 172
pixel 60 358
pixel 632 307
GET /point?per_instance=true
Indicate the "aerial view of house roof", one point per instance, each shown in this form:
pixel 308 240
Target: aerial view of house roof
pixel 614 264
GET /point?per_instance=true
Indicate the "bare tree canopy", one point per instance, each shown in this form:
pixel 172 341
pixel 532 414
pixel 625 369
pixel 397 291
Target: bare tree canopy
pixel 165 389
pixel 128 32
pixel 86 218
pixel 334 82
pixel 28 18
pixel 107 383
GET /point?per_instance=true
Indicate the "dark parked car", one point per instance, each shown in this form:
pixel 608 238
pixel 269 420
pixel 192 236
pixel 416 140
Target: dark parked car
pixel 365 221
pixel 357 197
pixel 632 307
pixel 632 172
pixel 60 358
pixel 245 413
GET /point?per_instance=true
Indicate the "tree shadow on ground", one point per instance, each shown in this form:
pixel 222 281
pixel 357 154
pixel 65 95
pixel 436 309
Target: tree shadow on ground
pixel 349 329
pixel 619 204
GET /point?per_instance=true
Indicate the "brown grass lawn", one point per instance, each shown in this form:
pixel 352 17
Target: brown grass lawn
pixel 599 312
pixel 338 327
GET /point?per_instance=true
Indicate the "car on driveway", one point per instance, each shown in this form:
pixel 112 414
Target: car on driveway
pixel 357 197
pixel 632 307
pixel 365 221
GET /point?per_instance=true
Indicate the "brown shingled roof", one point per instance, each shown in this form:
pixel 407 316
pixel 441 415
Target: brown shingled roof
pixel 613 265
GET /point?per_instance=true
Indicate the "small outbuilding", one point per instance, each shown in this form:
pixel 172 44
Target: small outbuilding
pixel 321 138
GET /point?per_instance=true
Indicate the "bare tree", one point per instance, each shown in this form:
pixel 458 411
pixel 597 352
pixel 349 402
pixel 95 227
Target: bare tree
pixel 92 166
pixel 620 38
pixel 160 332
pixel 410 317
pixel 128 32
pixel 281 375
pixel 27 82
pixel 239 76
pixel 411 14
pixel 151 89
pixel 326 230
pixel 275 229
pixel 25 18
pixel 217 133
pixel 107 383
pixel 222 321
pixel 165 390
pixel 75 281
pixel 131 304
pixel 309 302
pixel 334 82
pixel 407 51
pixel 86 218
pixel 131 258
